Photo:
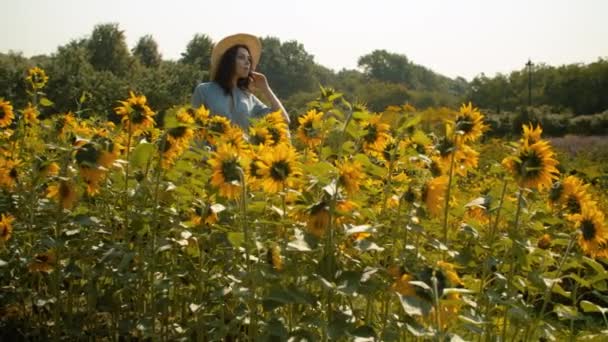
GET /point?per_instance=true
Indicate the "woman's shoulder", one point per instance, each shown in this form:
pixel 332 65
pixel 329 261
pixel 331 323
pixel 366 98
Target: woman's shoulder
pixel 207 87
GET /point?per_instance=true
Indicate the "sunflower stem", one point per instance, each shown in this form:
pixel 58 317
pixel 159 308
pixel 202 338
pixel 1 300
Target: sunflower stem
pixel 549 289
pixel 520 198
pixel 447 202
pixel 252 286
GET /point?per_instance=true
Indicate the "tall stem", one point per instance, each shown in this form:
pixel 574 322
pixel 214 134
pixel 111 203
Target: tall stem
pixel 520 198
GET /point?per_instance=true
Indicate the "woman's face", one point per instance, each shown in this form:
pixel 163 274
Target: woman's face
pixel 243 63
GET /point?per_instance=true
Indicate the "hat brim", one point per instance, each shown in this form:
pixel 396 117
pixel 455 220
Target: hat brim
pixel 252 42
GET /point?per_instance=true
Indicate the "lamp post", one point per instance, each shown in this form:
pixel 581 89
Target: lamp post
pixel 529 65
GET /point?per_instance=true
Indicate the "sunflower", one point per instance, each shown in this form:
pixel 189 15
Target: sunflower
pixel 278 168
pixel 534 166
pixel 394 150
pixel 376 134
pixel 276 126
pixel 218 126
pixel 593 235
pixel 65 124
pixel 570 195
pixel 87 157
pixel 205 215
pixel 235 138
pixel 227 169
pixel 109 152
pixel 37 77
pixel 478 209
pixel 6 226
pixel 402 285
pixel 48 169
pixel 136 115
pixel 6 113
pixel 317 218
pixel 449 271
pixel 201 121
pixel 43 262
pixel 8 172
pixel 178 138
pixel 274 257
pixel 469 123
pixel 309 131
pixel 350 175
pixel 434 194
pixel 64 193
pixel 544 242
pixel 466 158
pixel 531 134
pixel 30 114
pixel 260 136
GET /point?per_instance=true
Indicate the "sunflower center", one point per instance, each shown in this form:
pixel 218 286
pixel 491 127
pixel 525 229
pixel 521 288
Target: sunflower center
pixel 2 113
pixel 87 155
pixel 573 205
pixel 217 127
pixel 556 191
pixel 258 139
pixel 253 169
pixel 531 165
pixel 13 173
pixel 464 123
pixel 372 134
pixel 445 147
pixel 230 170
pixel 177 132
pixel 588 229
pixel 280 170
pixel 138 116
pixel 275 134
pixel 310 130
pixel 390 152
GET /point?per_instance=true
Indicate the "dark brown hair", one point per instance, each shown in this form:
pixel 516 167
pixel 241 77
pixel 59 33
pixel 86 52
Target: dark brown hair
pixel 226 69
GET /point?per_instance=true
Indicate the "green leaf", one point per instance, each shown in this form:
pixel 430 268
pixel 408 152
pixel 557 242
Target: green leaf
pixel 566 312
pixel 236 238
pixel 588 306
pixel 597 267
pixel 414 306
pixel 46 102
pixel 141 154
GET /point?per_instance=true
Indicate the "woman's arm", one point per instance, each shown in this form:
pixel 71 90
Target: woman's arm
pixel 261 83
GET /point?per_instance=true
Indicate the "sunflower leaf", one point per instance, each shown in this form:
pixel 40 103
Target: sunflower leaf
pixel 141 154
pixel 414 306
pixel 588 306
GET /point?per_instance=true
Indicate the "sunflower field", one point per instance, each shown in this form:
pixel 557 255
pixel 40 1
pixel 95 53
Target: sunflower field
pixel 350 226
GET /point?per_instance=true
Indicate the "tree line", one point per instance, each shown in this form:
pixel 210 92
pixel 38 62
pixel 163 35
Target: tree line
pixel 100 69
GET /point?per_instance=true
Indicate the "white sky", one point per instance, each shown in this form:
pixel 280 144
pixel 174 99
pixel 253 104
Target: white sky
pixel 454 38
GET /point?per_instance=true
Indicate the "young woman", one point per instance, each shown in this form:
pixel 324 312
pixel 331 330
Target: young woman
pixel 233 61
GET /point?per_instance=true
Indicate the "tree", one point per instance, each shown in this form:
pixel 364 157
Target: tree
pixel 288 66
pixel 385 66
pixel 146 51
pixel 198 52
pixel 108 49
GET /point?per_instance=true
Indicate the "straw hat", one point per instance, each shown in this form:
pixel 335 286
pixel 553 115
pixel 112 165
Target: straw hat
pixel 252 42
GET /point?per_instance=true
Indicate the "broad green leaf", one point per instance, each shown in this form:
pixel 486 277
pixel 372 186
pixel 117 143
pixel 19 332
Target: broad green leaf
pixel 46 102
pixel 566 312
pixel 414 306
pixel 588 306
pixel 142 153
pixel 236 238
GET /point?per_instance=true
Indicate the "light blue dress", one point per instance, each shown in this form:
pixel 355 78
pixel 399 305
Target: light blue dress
pixel 238 108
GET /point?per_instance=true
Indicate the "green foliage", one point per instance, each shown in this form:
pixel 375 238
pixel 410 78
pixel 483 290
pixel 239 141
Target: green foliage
pixel 574 87
pixel 107 48
pixel 198 52
pixel 146 51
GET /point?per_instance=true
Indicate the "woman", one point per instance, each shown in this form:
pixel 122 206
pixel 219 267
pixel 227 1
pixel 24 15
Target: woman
pixel 233 61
